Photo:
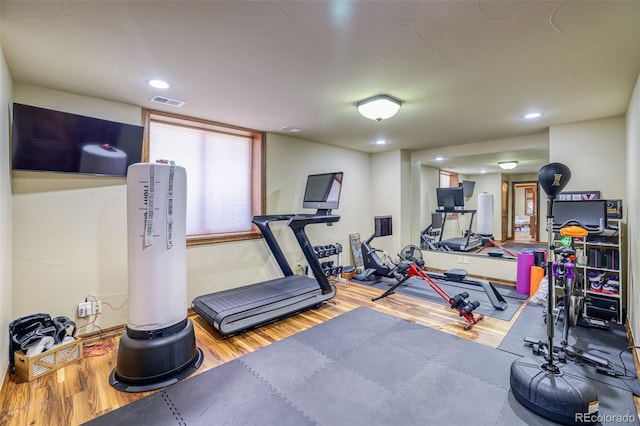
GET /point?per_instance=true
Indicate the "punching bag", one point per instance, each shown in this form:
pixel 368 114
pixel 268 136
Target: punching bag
pixel 158 347
pixel 485 214
pixel 157 245
pixel 553 178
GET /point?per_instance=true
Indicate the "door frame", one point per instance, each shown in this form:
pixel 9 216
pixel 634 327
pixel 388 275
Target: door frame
pixel 535 229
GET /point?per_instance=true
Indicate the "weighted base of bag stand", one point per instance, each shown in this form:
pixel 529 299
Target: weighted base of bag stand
pixel 157 362
pixel 550 393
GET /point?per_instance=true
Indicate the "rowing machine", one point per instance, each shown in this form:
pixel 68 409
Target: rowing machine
pixel 459 302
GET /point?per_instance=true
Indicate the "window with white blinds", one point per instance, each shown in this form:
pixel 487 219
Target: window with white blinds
pixel 224 166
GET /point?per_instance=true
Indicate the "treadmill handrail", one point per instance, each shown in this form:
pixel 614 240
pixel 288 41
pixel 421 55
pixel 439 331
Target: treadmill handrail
pixel 262 222
pixel 297 224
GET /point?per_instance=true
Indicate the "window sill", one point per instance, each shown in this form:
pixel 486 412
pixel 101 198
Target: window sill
pixel 198 240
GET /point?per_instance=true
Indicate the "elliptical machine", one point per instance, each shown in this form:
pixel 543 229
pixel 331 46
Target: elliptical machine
pixel 544 389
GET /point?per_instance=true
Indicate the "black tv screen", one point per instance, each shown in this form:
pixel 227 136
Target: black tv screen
pixel 53 141
pixel 449 198
pixel 589 214
pixel 323 191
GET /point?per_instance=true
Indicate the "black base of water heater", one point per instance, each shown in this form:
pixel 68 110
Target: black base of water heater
pixel 563 398
pixel 149 360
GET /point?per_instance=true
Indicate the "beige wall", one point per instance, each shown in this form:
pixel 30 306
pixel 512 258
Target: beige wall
pixel 632 200
pixel 69 231
pixel 6 312
pixel 594 151
pixel 386 198
pixel 599 153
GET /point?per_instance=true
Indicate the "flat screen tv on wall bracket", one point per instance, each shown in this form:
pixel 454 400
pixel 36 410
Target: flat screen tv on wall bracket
pixel 53 141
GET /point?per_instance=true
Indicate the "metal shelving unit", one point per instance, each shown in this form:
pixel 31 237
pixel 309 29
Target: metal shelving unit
pixel 604 254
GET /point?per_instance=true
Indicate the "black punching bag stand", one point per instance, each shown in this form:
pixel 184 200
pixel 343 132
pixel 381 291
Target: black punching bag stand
pixel 545 389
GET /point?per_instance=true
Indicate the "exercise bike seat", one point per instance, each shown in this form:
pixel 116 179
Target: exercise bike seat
pixel 574 231
pixel 567 251
pixel 456 274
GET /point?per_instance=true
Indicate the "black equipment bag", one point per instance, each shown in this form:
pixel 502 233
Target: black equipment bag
pixel 24 330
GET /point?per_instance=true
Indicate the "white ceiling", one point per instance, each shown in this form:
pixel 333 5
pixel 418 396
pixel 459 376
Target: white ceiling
pixel 466 70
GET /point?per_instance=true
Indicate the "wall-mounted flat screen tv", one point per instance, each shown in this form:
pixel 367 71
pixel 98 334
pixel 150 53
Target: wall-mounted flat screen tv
pixel 53 141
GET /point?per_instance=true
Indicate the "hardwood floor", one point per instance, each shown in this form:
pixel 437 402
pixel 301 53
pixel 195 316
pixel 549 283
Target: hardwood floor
pixel 80 391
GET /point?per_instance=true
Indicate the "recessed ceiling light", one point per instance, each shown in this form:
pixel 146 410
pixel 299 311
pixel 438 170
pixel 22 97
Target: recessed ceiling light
pixel 159 84
pixel 381 142
pixel 532 115
pixel 438 159
pixel 290 129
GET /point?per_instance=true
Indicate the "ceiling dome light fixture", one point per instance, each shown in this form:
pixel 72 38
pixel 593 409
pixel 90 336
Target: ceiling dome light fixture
pixel 381 142
pixel 508 165
pixel 379 107
pixel 532 115
pixel 159 84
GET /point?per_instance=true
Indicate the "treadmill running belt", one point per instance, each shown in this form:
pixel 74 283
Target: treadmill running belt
pixel 241 308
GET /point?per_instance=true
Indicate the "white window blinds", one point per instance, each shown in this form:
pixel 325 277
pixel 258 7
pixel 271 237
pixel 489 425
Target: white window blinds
pixel 219 175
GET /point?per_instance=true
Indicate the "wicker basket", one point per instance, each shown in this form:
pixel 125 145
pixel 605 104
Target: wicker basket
pixel 32 367
pixel 349 273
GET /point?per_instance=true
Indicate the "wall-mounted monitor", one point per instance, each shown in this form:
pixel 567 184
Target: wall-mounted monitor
pixel 467 188
pixel 323 192
pixel 53 141
pixel 589 214
pixel 450 198
pixel 382 225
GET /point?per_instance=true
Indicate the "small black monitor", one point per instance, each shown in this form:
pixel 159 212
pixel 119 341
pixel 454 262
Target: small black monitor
pixel 437 220
pixel 467 188
pixel 323 192
pixel 450 198
pixel 589 214
pixel 382 226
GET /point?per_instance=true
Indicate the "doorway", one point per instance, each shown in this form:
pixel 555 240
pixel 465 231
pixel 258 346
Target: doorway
pixel 525 212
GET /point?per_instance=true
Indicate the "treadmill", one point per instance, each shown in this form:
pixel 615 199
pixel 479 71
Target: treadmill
pixel 239 309
pixel 449 199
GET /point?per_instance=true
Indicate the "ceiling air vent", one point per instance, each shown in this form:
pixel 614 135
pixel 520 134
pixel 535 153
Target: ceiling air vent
pixel 167 101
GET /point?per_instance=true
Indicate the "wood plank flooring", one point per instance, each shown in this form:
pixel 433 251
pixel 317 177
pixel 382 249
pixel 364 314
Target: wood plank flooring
pixel 80 392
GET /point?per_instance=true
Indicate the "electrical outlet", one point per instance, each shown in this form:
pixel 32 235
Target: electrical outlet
pixel 85 309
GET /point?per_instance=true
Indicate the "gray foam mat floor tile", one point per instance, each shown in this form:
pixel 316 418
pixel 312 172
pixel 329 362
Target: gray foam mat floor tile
pixel 361 368
pixel 609 344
